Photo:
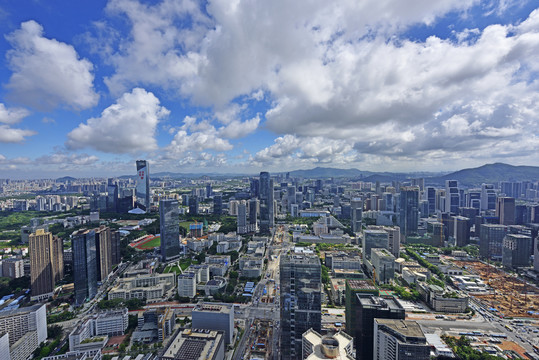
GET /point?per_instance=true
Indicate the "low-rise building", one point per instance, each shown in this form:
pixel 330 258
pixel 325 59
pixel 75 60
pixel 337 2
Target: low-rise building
pixel 152 287
pixel 337 346
pixel 442 301
pixel 383 263
pixel 211 316
pixel 196 344
pixel 187 284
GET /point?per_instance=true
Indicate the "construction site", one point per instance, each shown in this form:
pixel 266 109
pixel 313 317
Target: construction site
pixel 260 341
pixel 510 296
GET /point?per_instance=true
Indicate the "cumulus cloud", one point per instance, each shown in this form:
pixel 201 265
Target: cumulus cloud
pixel 128 126
pixel 46 72
pixel 9 117
pixel 341 74
pixel 66 159
pixel 13 115
pixel 196 136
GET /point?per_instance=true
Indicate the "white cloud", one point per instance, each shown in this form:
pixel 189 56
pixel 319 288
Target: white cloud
pixel 12 135
pixel 128 126
pixel 46 72
pixel 65 159
pixel 9 117
pixel 13 115
pixel 238 129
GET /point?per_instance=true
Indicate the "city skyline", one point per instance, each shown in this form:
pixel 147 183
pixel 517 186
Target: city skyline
pixel 201 87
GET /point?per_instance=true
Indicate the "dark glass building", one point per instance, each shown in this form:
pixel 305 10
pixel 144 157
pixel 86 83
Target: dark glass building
pixel 369 308
pixel 300 301
pixel 409 210
pixel 143 185
pixel 267 213
pixel 169 215
pixel 84 265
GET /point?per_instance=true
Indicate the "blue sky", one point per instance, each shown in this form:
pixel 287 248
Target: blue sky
pixel 242 86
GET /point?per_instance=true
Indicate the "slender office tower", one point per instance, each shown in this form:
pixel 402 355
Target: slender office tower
pixel 46 263
pixel 169 217
pixel 103 248
pixel 143 185
pixel 301 285
pixel 267 212
pixel 84 265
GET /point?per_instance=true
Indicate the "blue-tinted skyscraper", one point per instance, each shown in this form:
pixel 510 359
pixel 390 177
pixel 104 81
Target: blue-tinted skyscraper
pixel 409 210
pixel 84 265
pixel 143 185
pixel 267 213
pixel 169 216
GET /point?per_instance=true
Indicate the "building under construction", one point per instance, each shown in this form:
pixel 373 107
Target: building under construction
pixel 260 341
pixel 509 295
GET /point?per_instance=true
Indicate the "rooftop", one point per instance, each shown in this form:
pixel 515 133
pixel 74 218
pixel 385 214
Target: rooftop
pixel 407 328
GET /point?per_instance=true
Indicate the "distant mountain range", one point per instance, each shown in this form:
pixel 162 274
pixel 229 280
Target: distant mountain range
pixel 489 173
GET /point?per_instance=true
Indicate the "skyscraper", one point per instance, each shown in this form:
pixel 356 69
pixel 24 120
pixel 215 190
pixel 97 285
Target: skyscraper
pixel 374 238
pixel 115 252
pixel 254 205
pixel 505 210
pixel 536 255
pixel 218 204
pixel 242 218
pixel 103 248
pixel 409 210
pixel 143 185
pixel 516 251
pixel 300 301
pixel 169 217
pixel 369 308
pixel 461 230
pixel 452 196
pixel 84 265
pixel 488 197
pixel 112 196
pixel 356 205
pixel 267 212
pixel 46 263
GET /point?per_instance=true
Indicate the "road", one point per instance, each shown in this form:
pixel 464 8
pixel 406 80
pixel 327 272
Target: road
pixel 259 310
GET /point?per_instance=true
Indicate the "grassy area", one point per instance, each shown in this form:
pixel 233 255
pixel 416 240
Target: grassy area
pixel 172 268
pixel 185 224
pixel 155 242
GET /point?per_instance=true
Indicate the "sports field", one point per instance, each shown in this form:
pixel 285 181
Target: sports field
pixel 149 244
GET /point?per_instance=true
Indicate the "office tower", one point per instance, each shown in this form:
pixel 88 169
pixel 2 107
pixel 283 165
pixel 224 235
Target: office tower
pixel 112 196
pixel 373 239
pixel 254 205
pixel 473 198
pixel 193 205
pixel 211 316
pixel 103 248
pixel 209 191
pixel 352 288
pixel 169 223
pixel 218 204
pixel 383 263
pixel 143 185
pixel 516 250
pixel 337 346
pixel 461 230
pixel 409 210
pixel 115 252
pixel 255 187
pixel 242 218
pixel 356 205
pixel 388 199
pixel 491 240
pixel 536 255
pixel 369 308
pixel 399 340
pixel 394 237
pixel 505 210
pixel 300 301
pixel 452 196
pixel 84 265
pixel 46 263
pixel 267 212
pixel 488 197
